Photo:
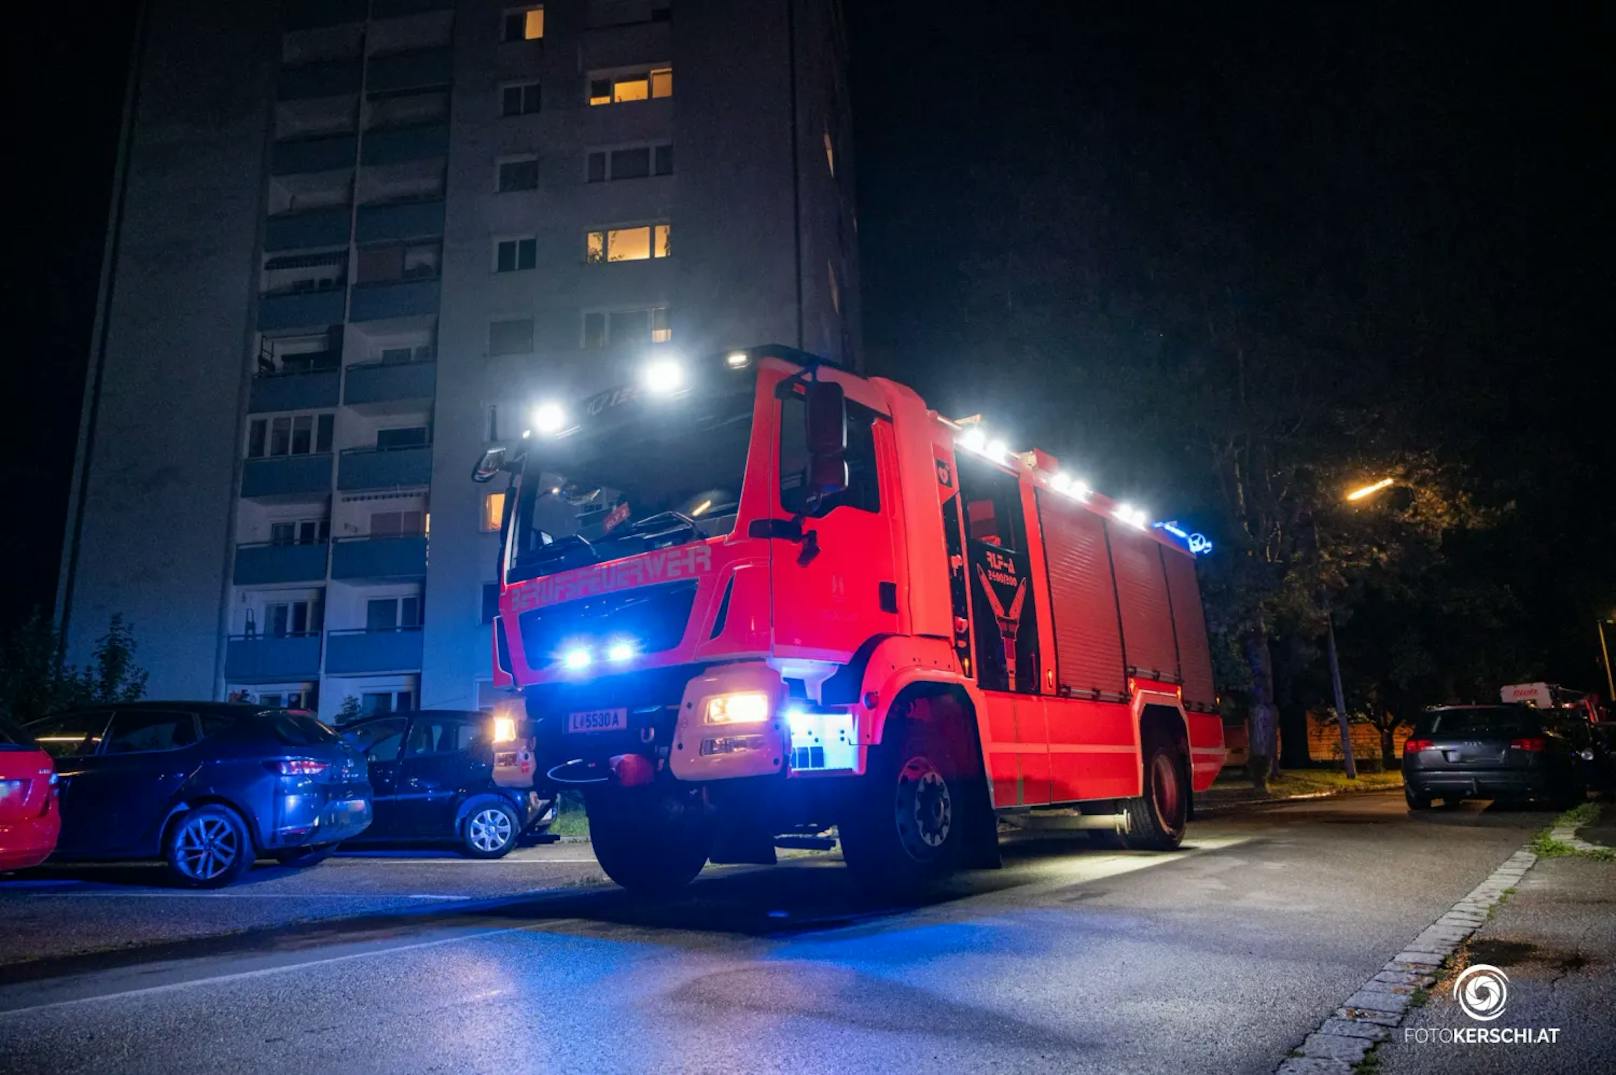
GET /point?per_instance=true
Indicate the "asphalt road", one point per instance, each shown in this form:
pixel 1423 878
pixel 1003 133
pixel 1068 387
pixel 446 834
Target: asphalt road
pixel 1219 957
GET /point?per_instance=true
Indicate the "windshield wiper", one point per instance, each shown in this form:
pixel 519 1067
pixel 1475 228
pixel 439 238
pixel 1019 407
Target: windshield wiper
pixel 566 549
pixel 654 528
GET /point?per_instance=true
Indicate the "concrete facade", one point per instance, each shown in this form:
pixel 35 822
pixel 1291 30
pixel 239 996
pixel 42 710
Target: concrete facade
pixel 311 327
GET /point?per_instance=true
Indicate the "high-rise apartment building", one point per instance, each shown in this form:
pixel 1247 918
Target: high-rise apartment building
pixel 353 241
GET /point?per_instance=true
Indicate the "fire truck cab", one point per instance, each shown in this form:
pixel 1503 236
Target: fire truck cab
pixel 753 597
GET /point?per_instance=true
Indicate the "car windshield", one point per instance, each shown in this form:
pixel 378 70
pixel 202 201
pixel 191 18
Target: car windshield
pixel 1479 722
pixel 646 475
pixel 301 729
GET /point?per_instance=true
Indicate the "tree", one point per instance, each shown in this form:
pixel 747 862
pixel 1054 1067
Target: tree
pixel 349 710
pixel 36 679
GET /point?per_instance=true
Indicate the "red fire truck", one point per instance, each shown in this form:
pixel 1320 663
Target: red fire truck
pixel 751 598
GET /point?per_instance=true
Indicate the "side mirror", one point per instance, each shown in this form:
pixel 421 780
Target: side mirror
pixel 491 463
pixel 826 420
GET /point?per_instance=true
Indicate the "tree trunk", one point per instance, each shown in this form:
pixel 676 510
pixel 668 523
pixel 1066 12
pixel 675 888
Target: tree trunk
pixel 1388 745
pixel 1264 714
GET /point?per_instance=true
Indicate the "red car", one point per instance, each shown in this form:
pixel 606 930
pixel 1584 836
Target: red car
pixel 29 815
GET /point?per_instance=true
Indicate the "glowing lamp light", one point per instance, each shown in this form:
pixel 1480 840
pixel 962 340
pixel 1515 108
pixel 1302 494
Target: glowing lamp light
pixel 1067 485
pixel 737 360
pixel 1131 515
pixel 622 650
pixel 974 439
pixel 997 449
pixel 549 418
pixel 577 658
pixel 1369 490
pixel 504 729
pixel 663 376
pixel 738 707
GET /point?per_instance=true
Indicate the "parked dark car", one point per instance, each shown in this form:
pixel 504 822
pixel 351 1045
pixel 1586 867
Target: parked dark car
pixel 434 781
pixel 1503 752
pixel 206 786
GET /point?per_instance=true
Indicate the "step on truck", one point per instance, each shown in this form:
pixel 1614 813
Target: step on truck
pixel 755 597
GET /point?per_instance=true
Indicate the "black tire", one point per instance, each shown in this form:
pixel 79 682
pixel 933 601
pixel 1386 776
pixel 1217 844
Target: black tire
pixel 208 847
pixel 1157 819
pixel 906 826
pixel 302 857
pixel 652 841
pixel 490 829
pixel 1415 800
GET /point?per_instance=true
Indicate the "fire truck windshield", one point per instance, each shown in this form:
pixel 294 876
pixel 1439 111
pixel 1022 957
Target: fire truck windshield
pixel 642 475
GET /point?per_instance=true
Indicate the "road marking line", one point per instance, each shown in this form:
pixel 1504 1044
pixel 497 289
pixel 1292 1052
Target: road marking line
pixel 263 972
pixel 243 895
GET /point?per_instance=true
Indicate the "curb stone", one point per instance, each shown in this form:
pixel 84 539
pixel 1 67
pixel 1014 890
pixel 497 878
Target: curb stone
pixel 1369 1015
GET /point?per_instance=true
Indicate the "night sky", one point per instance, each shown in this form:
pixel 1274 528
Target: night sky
pixel 1046 197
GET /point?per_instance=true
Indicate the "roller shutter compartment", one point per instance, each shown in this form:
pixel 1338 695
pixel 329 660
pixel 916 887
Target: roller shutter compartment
pixel 1088 640
pixel 1194 653
pixel 1147 619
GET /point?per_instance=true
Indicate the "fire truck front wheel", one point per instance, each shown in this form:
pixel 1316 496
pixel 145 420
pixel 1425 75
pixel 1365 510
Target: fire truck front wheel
pixel 906 827
pixel 1156 820
pixel 649 840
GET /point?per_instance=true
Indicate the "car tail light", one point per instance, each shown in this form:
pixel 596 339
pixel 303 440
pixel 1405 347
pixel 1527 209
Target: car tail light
pixel 299 766
pixel 1414 746
pixel 1533 743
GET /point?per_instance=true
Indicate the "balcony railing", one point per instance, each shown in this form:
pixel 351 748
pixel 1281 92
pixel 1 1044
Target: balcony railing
pixel 400 220
pixel 297 309
pixel 387 382
pixel 326 78
pixel 394 298
pixel 313 154
pixel 295 387
pixel 393 556
pixel 261 563
pixel 365 652
pixel 286 475
pixel 396 145
pixel 385 468
pixel 272 658
pixel 417 69
pixel 311 228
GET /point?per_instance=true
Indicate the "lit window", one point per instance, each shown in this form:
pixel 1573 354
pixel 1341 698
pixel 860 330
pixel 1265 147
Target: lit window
pixel 519 99
pixel 523 24
pixel 493 512
pixel 661 329
pixel 514 255
pixel 521 173
pixel 629 244
pixel 656 82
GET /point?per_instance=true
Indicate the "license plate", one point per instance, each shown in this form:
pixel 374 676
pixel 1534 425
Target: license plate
pixel 598 720
pixel 8 788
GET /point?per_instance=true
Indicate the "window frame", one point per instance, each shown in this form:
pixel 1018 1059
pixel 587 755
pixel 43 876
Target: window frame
pixel 516 242
pixel 322 430
pixel 615 78
pixel 502 162
pixel 107 732
pixel 598 242
pixel 861 419
pixel 522 12
pixel 522 89
pixel 656 153
pixel 531 328
pixel 662 311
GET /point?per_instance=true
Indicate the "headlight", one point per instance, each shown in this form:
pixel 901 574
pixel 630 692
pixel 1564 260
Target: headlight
pixel 504 729
pixel 739 707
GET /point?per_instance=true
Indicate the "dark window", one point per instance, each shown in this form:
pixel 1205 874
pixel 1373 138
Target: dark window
pixel 863 481
pixel 664 160
pixel 218 724
pixel 594 331
pixel 1487 721
pixel 490 601
pixel 302 730
pixel 520 100
pixel 380 740
pixel 514 337
pixel 628 326
pixel 408 437
pixel 597 167
pixel 523 24
pixel 442 735
pixel 631 163
pixel 515 255
pixel 136 730
pixel 70 734
pixel 992 506
pixel 519 175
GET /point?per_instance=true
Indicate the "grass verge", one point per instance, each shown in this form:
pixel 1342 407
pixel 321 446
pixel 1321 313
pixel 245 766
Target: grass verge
pixel 570 818
pixel 1544 845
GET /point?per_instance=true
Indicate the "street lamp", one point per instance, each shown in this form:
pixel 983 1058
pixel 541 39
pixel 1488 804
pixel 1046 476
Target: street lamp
pixel 1365 491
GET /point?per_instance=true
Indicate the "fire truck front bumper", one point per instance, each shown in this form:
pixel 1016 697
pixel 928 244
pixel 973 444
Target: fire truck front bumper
pixel 731 724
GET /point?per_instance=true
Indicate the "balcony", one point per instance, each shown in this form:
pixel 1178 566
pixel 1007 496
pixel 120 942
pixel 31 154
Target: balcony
pixel 400 557
pixel 272 659
pixel 408 70
pixel 318 227
pixel 300 309
pixel 294 390
pixel 286 475
pixel 400 220
pixel 382 9
pixel 313 155
pixel 388 382
pixel 352 653
pixel 327 78
pixel 394 298
pixel 400 144
pixel 312 14
pixel 265 563
pixel 385 468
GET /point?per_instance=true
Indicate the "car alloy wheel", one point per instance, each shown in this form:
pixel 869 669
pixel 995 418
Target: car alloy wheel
pixel 489 829
pixel 207 846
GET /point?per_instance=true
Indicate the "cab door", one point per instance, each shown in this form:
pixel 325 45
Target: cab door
pixel 837 586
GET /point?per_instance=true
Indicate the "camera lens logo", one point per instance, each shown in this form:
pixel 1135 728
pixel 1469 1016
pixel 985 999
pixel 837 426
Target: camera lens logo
pixel 1482 990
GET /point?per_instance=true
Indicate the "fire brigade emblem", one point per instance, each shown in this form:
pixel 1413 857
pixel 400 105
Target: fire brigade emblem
pixel 1009 621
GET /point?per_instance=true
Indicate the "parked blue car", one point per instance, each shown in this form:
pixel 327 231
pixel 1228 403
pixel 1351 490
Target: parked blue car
pixel 207 786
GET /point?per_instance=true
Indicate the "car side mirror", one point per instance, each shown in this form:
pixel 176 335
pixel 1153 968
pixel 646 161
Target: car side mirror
pixel 491 463
pixel 826 420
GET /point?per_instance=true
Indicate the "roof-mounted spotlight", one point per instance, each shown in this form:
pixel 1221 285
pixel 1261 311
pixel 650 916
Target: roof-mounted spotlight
pixel 549 418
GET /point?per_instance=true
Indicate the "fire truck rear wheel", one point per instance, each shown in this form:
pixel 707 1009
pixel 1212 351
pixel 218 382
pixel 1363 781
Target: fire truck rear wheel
pixel 1156 820
pixel 906 827
pixel 648 840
